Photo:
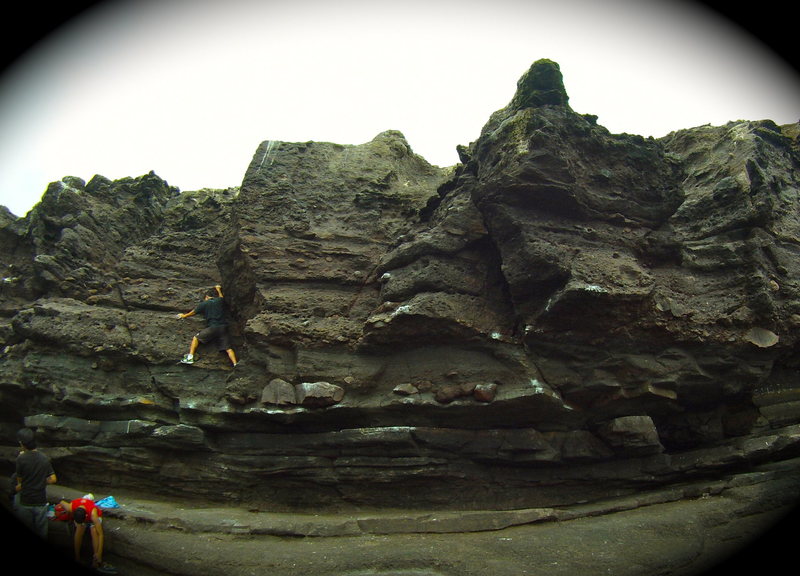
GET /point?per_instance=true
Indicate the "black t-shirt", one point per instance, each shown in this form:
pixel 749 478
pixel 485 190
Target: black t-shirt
pixel 33 468
pixel 214 311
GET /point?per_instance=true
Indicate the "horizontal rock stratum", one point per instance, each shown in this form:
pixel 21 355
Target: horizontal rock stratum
pixel 565 315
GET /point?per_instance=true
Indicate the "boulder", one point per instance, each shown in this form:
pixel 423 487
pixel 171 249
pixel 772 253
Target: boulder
pixel 567 314
pixel 278 391
pixel 318 394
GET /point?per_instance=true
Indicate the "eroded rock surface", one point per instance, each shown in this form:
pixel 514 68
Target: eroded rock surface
pixel 567 314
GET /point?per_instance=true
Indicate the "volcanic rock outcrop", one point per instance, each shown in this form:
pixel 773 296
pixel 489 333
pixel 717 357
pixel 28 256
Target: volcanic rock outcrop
pixel 565 315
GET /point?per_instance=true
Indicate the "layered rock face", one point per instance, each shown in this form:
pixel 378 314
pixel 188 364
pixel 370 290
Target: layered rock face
pixel 567 314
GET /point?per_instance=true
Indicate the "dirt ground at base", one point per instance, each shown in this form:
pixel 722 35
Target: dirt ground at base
pixel 741 527
pixel 664 540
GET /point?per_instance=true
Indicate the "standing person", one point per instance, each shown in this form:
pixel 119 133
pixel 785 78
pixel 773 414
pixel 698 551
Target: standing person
pixel 34 472
pixel 213 309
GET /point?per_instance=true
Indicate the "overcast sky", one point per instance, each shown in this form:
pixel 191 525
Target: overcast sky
pixel 189 88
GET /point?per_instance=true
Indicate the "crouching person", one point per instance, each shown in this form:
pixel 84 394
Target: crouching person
pixel 86 515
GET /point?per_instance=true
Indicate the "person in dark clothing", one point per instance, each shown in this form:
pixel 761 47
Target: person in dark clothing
pixel 34 472
pixel 213 309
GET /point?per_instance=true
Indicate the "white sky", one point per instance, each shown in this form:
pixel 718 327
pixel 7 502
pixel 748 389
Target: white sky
pixel 189 88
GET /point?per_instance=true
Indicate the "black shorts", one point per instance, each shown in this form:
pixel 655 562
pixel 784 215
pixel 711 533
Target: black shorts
pixel 216 334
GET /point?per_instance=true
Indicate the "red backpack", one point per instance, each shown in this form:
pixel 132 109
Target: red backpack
pixel 61 513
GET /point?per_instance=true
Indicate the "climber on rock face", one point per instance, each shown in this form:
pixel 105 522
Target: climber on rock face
pixel 216 331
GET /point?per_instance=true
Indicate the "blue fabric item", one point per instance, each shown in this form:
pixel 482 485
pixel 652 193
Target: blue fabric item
pixel 107 502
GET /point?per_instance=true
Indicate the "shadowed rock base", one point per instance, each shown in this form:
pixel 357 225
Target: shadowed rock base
pixel 687 530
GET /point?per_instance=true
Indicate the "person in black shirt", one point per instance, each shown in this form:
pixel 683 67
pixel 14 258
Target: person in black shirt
pixel 34 472
pixel 213 309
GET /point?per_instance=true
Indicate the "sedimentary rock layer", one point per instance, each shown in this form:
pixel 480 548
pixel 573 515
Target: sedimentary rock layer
pixel 564 315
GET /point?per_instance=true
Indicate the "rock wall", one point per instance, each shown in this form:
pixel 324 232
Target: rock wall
pixel 565 315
